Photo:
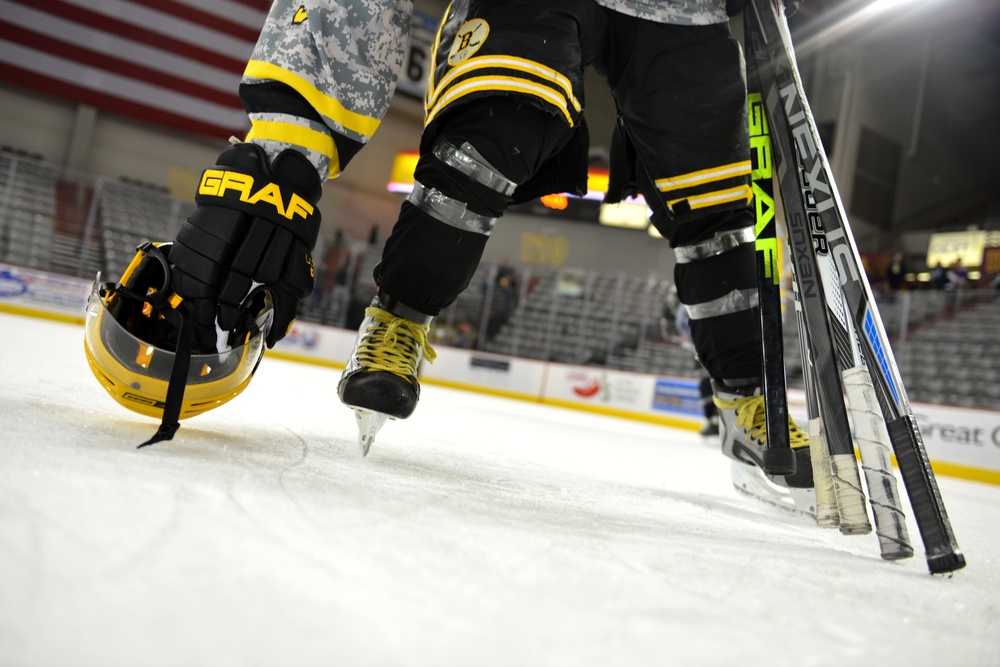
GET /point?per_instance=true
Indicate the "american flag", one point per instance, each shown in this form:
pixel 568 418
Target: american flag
pixel 175 63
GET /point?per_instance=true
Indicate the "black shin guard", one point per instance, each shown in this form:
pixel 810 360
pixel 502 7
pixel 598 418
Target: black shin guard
pixel 427 260
pixel 719 289
pixel 427 263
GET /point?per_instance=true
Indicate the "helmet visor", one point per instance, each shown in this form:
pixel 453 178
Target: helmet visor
pixel 140 372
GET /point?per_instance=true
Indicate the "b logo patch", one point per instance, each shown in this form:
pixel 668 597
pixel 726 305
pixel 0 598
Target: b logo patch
pixel 468 39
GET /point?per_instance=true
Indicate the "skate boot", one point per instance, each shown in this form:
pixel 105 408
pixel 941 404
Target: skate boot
pixel 380 379
pixel 744 436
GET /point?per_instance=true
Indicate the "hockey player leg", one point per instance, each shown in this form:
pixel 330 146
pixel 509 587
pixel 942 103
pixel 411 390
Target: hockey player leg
pixel 716 280
pixel 463 184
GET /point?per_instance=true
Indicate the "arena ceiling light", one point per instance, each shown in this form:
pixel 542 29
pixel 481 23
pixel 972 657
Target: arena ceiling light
pixel 847 19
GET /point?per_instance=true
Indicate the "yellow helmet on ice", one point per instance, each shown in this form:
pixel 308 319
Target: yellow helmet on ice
pixel 131 340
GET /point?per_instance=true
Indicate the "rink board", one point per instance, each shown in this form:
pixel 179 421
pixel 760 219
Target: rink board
pixel 960 442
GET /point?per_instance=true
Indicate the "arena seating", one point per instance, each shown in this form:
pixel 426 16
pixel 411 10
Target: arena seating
pixel 27 212
pixel 54 220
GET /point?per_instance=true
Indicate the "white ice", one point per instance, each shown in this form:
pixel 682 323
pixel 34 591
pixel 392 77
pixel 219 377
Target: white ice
pixel 481 531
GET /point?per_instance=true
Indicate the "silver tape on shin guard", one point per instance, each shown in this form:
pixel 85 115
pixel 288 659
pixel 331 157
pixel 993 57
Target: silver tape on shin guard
pixel 467 161
pixel 734 302
pixel 721 243
pixel 450 210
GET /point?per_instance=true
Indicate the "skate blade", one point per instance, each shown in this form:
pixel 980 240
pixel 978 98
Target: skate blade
pixel 369 423
pixel 750 479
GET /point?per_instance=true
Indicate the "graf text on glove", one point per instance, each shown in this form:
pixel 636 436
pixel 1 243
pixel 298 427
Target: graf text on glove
pixel 217 182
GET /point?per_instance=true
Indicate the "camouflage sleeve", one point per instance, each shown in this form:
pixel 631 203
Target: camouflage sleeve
pixel 322 75
pixel 680 12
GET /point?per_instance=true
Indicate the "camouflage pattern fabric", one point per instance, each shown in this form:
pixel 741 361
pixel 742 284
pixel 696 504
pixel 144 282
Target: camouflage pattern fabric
pixel 343 57
pixel 680 12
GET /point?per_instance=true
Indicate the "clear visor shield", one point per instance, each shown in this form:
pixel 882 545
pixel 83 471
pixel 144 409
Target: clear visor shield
pixel 141 372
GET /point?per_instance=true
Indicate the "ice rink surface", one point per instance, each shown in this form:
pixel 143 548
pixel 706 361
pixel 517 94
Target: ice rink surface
pixel 481 531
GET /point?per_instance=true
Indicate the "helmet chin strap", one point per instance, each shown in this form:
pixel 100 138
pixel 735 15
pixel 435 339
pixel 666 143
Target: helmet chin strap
pixel 182 354
pixel 178 375
pixel 175 389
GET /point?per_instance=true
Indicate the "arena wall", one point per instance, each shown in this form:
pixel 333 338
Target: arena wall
pixel 960 442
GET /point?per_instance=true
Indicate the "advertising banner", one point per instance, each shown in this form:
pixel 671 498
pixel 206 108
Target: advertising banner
pixel 960 442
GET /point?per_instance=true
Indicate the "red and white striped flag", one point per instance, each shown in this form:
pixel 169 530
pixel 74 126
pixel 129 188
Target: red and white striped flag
pixel 176 63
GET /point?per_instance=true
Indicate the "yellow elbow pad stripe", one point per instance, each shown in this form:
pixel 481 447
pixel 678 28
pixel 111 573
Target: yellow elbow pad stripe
pixel 318 142
pixel 324 104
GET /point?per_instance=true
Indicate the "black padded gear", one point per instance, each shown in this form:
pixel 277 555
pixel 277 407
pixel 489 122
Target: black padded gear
pixel 252 234
pixel 724 354
pixel 427 263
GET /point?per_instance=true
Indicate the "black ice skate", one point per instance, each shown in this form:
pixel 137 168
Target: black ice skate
pixel 744 436
pixel 380 379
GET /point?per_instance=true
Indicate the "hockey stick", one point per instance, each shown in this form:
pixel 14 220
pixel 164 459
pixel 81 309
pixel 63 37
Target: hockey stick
pixel 847 290
pixel 834 465
pixel 828 514
pixel 779 459
pixel 800 206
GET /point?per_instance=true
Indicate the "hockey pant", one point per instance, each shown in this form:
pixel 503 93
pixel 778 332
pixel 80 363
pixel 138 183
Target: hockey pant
pixel 688 154
pixel 477 154
pixel 438 241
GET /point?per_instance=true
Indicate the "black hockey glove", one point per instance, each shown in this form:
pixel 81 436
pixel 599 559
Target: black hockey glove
pixel 249 241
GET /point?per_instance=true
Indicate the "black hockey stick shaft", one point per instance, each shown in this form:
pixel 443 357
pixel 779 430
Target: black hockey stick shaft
pixel 840 473
pixel 797 139
pixel 829 397
pixel 806 278
pixel 779 459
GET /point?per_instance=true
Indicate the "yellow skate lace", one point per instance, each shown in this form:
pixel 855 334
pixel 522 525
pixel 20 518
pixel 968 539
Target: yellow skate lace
pixel 393 344
pixel 750 414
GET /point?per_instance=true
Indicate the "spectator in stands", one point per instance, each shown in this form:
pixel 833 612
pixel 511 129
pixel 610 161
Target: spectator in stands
pixel 895 274
pixel 339 264
pixel 938 277
pixel 955 281
pixel 464 335
pixel 504 299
